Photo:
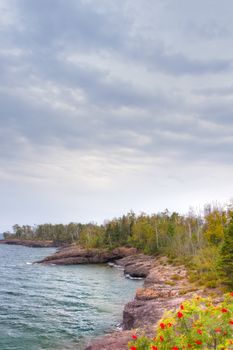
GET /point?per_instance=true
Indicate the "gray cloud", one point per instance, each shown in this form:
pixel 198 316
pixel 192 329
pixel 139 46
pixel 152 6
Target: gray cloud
pixel 95 95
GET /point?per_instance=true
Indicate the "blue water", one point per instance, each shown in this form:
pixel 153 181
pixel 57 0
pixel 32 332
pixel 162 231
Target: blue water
pixel 57 307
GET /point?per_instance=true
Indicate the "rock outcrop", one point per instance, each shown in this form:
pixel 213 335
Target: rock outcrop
pixel 165 288
pixel 76 255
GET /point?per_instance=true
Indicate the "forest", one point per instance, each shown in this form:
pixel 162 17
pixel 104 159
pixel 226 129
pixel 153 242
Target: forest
pixel 203 242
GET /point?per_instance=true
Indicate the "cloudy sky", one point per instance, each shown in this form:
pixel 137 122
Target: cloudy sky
pixel 107 106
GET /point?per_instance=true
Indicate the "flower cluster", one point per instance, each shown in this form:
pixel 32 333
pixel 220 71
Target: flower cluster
pixel 197 324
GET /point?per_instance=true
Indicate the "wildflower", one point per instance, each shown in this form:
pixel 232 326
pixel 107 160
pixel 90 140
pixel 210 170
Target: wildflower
pixel 182 307
pixel 198 342
pixel 169 324
pixel 162 325
pixel 134 337
pixel 218 330
pixel 179 314
pixel 231 322
pixel 199 331
pixel 175 348
pixel 231 294
pixel 224 310
pixel 189 346
pixel 133 348
pixel 161 338
pixel 153 347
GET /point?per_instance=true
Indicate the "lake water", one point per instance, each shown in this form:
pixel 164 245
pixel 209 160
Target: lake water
pixel 57 307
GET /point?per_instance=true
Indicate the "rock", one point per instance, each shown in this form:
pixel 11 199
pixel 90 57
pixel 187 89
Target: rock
pixel 115 341
pixel 76 255
pixel 137 266
pixel 141 313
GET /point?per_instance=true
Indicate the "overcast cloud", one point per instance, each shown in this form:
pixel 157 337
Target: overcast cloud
pixel 107 106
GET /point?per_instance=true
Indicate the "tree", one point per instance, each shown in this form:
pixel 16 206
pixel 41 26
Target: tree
pixel 226 255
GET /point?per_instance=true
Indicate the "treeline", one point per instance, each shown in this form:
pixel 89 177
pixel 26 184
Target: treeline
pixel 200 241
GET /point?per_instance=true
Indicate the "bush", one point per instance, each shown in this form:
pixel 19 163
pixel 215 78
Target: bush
pixel 198 324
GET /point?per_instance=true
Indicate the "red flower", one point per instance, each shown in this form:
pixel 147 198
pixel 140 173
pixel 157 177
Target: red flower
pixel 161 338
pixel 154 347
pixel 133 348
pixel 224 310
pixel 175 348
pixel 199 331
pixel 169 324
pixel 134 337
pixel 179 314
pixel 218 330
pixel 182 307
pixel 231 322
pixel 189 346
pixel 231 294
pixel 162 325
pixel 198 342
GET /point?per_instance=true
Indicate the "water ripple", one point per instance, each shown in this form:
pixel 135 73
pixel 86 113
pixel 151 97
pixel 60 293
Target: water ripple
pixel 56 307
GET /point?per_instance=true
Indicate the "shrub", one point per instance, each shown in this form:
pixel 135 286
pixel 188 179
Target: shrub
pixel 198 324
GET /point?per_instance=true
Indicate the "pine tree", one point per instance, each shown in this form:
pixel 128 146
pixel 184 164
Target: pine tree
pixel 226 255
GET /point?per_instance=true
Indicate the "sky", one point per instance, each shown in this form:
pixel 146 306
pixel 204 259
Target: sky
pixel 110 106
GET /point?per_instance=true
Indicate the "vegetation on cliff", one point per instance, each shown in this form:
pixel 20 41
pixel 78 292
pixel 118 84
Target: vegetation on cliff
pixel 203 242
pixel 197 324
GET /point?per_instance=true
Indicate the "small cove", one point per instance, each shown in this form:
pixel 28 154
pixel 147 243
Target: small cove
pixel 57 307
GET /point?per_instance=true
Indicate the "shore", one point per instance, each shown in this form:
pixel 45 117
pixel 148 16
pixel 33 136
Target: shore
pixel 165 288
pixel 30 243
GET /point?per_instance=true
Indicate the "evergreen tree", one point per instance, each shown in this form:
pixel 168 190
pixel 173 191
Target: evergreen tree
pixel 226 255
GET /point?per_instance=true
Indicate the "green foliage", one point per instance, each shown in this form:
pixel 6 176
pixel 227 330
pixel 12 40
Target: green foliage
pixel 214 226
pixel 226 255
pixel 186 239
pixel 204 269
pixel 197 324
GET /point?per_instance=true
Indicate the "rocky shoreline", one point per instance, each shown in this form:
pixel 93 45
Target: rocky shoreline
pixel 165 288
pixel 30 243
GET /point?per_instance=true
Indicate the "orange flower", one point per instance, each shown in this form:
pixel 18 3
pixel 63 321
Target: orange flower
pixel 169 324
pixel 161 338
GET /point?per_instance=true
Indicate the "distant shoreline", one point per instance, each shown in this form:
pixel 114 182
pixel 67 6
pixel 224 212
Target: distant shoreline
pixel 30 243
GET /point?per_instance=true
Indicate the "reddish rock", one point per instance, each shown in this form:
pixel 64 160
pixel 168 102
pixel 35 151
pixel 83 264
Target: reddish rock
pixel 76 255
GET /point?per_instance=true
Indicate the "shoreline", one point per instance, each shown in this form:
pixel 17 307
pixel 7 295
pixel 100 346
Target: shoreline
pixel 31 243
pixel 165 287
